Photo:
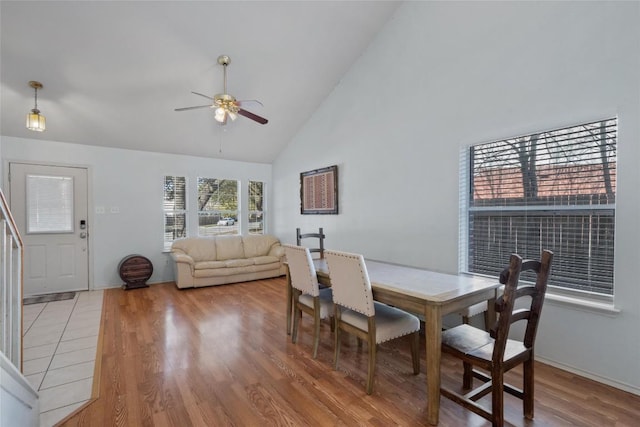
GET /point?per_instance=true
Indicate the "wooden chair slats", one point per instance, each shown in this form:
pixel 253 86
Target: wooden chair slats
pixel 494 351
pixel 316 247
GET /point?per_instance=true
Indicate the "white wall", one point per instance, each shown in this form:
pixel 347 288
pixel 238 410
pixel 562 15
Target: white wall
pixel 443 75
pixel 132 181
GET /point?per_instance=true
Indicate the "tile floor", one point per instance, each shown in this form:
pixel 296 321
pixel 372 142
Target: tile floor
pixel 60 342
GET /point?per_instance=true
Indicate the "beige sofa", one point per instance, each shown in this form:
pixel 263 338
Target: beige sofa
pixel 207 261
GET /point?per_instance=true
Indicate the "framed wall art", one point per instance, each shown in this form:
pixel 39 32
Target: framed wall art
pixel 319 191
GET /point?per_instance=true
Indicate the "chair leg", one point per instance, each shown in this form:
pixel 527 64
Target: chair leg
pixel 372 365
pixel 371 338
pixel 415 351
pixel 289 301
pixel 332 323
pixel 336 347
pixel 467 376
pixel 497 397
pixel 528 389
pixel 297 315
pixel 316 325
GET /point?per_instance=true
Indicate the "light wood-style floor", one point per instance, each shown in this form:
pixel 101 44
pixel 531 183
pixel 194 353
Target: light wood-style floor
pixel 219 356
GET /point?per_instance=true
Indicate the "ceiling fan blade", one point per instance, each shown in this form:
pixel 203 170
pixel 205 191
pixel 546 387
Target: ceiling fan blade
pixel 192 108
pixel 249 103
pixel 252 116
pixel 200 94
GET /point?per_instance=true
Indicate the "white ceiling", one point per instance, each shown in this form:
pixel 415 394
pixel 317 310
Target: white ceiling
pixel 113 72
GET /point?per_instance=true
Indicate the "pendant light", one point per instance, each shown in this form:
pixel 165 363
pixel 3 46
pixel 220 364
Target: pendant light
pixel 36 121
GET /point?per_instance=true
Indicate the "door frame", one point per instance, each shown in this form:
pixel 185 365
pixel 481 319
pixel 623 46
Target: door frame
pixel 6 188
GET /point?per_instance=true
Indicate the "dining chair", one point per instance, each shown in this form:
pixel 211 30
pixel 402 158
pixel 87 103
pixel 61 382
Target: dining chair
pixel 307 296
pixel 317 247
pixel 493 351
pixel 358 314
pixel 480 308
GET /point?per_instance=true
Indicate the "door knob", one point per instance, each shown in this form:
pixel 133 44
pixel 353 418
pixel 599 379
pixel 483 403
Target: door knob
pixel 83 234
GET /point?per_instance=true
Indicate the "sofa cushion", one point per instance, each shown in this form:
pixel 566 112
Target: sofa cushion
pixel 229 247
pixel 261 260
pixel 198 248
pixel 258 245
pixel 204 265
pixel 238 262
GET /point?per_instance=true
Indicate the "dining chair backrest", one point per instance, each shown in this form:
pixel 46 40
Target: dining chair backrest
pixel 350 282
pixel 316 247
pixel 515 289
pixel 301 270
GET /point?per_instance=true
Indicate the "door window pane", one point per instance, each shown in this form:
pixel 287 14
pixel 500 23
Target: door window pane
pixel 49 204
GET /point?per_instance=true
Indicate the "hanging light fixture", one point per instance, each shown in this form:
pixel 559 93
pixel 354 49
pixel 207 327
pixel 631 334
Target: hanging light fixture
pixel 36 121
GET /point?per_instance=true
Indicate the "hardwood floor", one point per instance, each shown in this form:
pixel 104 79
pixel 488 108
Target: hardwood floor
pixel 219 356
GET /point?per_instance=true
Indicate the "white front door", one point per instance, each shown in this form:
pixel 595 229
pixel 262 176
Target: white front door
pixel 49 205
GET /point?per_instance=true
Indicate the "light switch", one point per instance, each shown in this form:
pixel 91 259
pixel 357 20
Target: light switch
pixel 99 209
pixel 115 209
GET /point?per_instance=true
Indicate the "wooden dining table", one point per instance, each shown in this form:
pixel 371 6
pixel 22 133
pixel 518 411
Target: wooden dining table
pixel 430 295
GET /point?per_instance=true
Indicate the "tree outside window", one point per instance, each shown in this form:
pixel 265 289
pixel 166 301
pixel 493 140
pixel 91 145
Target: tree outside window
pixel 217 206
pixel 256 210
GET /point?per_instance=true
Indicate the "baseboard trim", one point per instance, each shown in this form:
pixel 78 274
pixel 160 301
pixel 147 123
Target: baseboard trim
pixel 604 380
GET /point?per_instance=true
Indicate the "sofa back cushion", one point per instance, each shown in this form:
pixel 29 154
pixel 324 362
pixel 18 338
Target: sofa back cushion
pixel 198 248
pixel 229 247
pixel 256 245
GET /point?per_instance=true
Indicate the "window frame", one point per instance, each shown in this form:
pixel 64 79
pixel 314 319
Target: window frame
pixel 556 291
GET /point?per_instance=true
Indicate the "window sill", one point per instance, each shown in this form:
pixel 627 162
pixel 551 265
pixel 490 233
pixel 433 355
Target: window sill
pixel 585 304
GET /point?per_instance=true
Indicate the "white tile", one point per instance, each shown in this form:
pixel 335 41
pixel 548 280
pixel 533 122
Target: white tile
pixel 68 374
pixel 51 418
pixel 73 357
pixel 73 334
pixel 34 339
pixel 77 344
pixel 36 365
pixel 92 316
pixel 65 395
pixel 42 328
pixel 35 379
pixel 38 352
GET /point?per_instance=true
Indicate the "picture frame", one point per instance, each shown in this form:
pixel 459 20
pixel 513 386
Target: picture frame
pixel 319 191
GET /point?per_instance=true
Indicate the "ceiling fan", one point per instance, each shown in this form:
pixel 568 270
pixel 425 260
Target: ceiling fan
pixel 225 105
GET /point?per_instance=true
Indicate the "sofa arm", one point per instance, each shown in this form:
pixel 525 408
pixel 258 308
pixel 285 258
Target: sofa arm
pixel 183 269
pixel 277 251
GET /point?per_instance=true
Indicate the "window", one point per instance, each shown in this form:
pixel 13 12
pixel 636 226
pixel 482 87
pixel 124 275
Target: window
pixel 256 212
pixel 553 190
pixel 175 209
pixel 217 206
pixel 49 204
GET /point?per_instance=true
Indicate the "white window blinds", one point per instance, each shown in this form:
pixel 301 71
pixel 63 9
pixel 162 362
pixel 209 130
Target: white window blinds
pixel 49 204
pixel 549 190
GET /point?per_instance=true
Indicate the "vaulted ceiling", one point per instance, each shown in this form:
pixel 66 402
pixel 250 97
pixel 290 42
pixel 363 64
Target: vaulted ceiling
pixel 113 72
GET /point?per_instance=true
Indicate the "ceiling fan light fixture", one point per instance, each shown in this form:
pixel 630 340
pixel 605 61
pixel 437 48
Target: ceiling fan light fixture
pixel 232 115
pixel 220 115
pixel 36 121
